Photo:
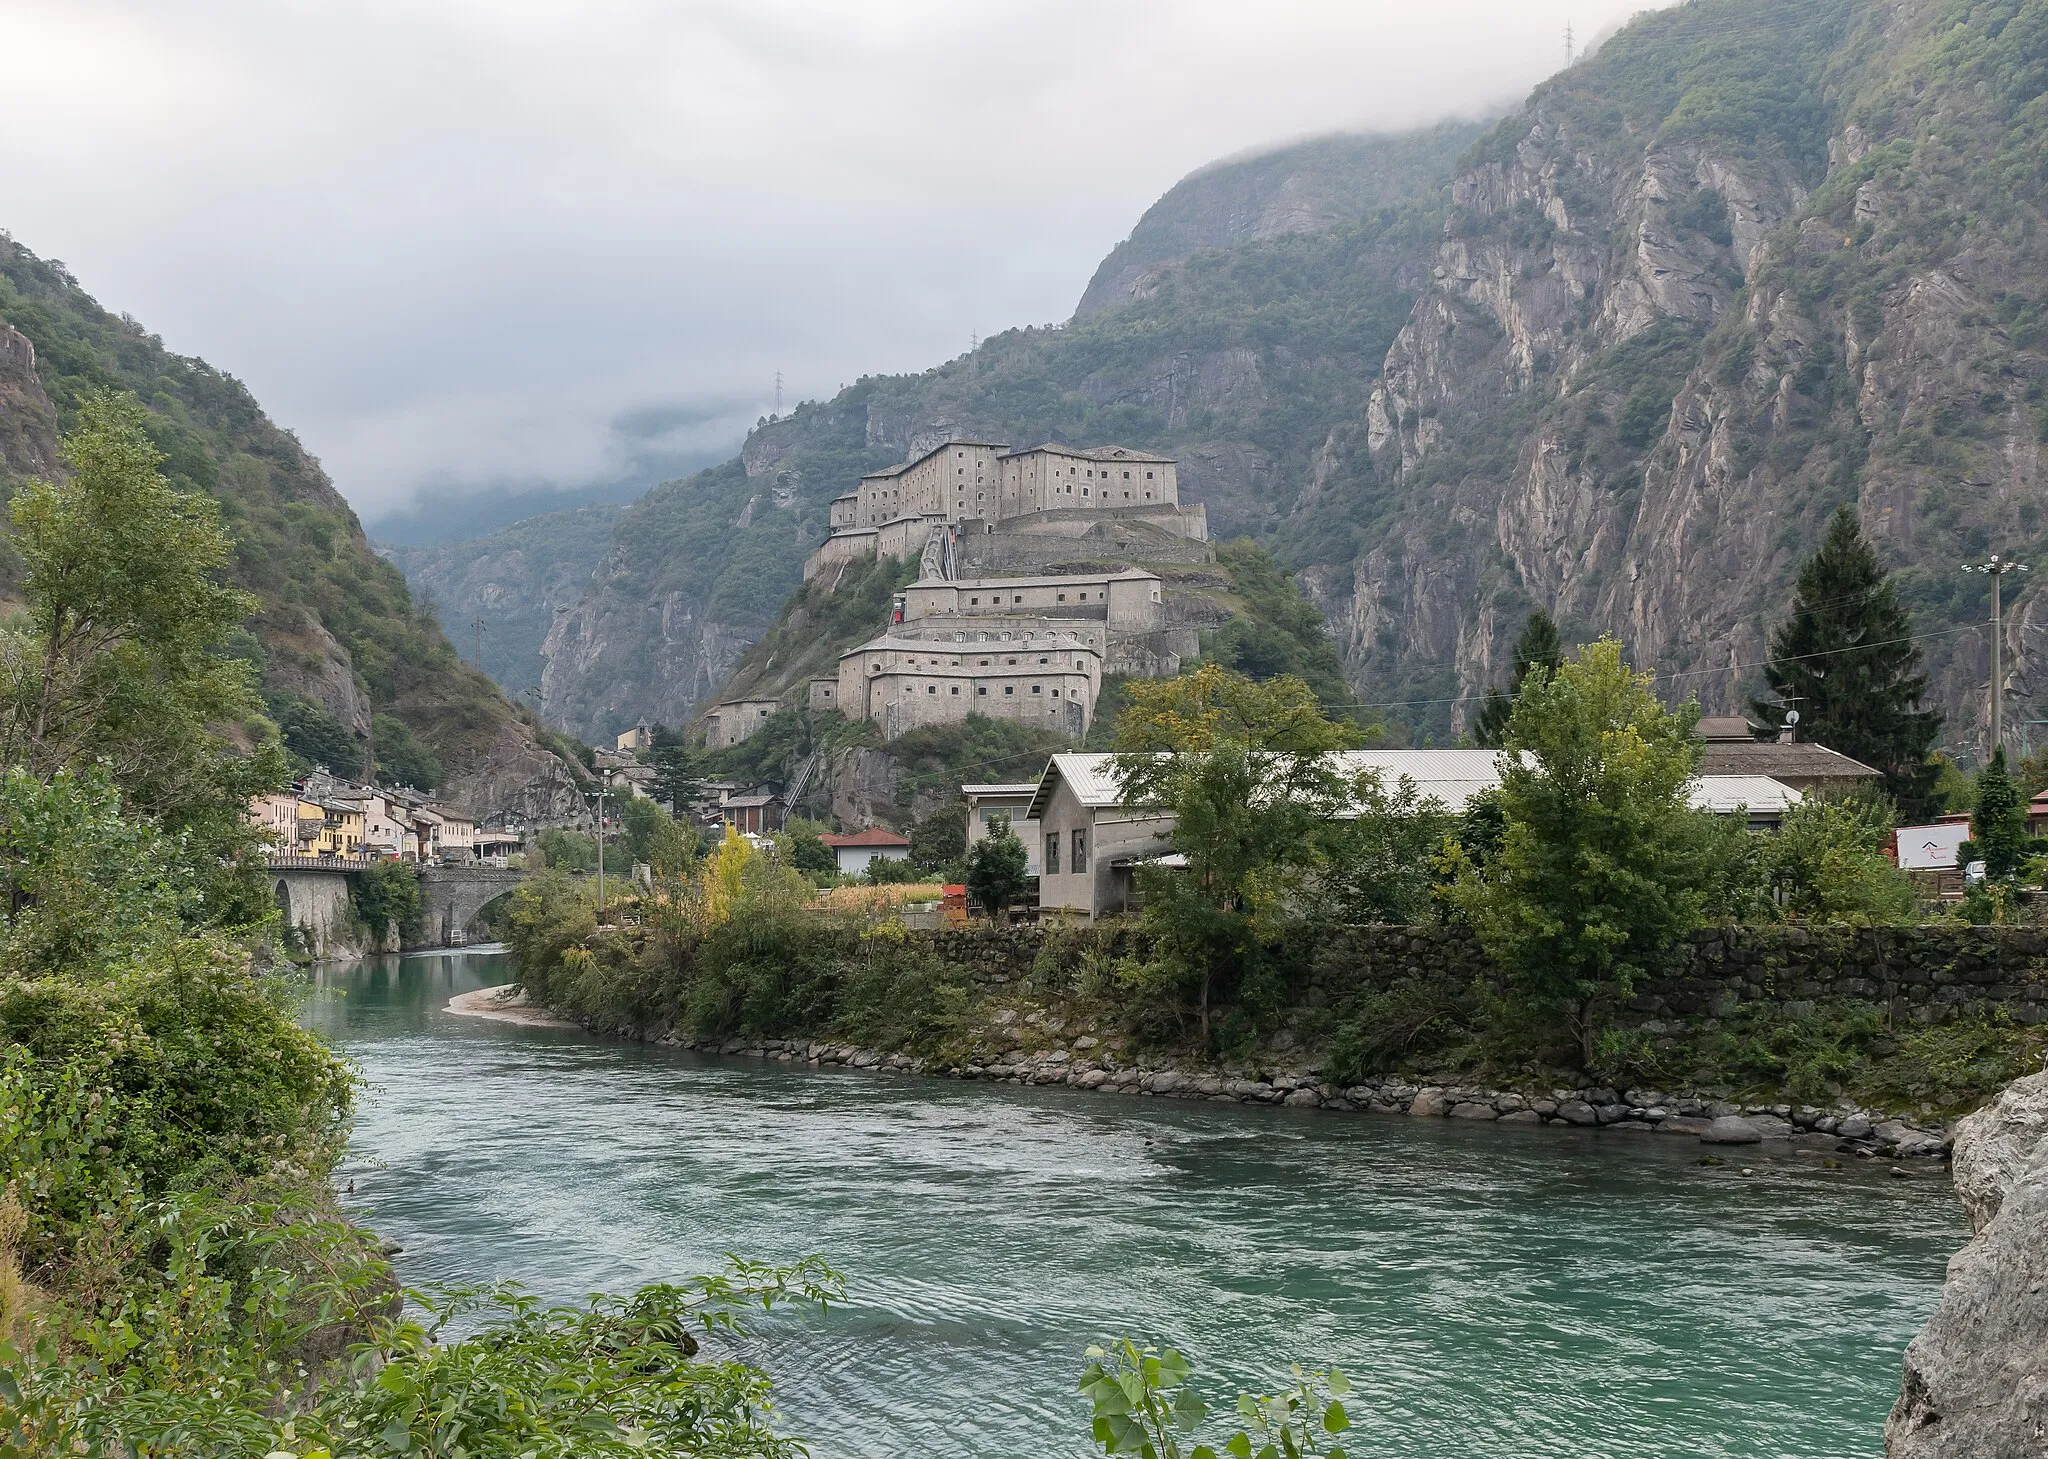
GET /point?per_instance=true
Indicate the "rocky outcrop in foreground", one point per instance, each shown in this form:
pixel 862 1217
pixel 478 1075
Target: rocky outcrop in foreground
pixel 1976 1379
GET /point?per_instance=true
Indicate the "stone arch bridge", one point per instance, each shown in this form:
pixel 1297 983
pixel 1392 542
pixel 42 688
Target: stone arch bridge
pixel 311 893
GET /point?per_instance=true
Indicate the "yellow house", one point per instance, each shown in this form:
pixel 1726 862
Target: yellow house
pixel 330 827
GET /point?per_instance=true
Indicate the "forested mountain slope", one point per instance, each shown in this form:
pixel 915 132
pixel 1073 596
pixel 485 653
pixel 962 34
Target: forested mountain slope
pixel 337 626
pixel 1751 259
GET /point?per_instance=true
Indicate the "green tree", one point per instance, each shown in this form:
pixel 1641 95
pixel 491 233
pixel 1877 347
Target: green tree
pixel 678 770
pixel 809 854
pixel 1844 660
pixel 650 835
pixel 939 841
pixel 117 656
pixel 1998 822
pixel 313 735
pixel 403 757
pixel 1827 862
pixel 1537 648
pixel 998 869
pixel 892 871
pixel 1242 767
pixel 566 850
pixel 1602 865
pixel 1374 860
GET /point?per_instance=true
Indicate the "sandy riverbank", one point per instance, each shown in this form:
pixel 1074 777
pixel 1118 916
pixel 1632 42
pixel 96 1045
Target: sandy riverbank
pixel 505 1003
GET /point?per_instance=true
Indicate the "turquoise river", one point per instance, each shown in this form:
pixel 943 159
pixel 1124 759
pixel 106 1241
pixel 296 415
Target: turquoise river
pixel 1492 1292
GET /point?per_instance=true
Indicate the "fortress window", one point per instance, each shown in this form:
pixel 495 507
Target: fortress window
pixel 956 691
pixel 1148 476
pixel 1063 597
pixel 931 688
pixel 1037 689
pixel 1127 476
pixel 1009 689
pixel 1043 659
pixel 981 690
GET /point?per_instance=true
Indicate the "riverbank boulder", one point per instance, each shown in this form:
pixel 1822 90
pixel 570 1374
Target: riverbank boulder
pixel 1731 1130
pixel 1976 1378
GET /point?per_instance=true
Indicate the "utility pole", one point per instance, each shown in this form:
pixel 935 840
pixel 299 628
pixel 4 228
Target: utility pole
pixel 1567 43
pixel 600 858
pixel 778 392
pixel 478 625
pixel 1996 569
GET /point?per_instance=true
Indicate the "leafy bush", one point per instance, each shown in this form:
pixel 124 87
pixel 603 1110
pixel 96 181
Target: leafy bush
pixel 891 871
pixel 386 894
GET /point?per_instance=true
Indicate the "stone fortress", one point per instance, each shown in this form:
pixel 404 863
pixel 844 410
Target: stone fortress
pixel 1025 596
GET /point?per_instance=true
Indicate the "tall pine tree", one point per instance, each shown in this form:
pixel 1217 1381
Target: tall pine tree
pixel 1538 647
pixel 1845 662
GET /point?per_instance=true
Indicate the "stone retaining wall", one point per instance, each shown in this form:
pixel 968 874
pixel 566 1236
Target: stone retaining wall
pixel 1922 972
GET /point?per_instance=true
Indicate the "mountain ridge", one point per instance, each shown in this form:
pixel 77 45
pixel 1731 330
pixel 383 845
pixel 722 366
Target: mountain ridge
pixel 1620 361
pixel 335 625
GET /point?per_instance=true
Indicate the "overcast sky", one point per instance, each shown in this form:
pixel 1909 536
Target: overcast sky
pixel 465 245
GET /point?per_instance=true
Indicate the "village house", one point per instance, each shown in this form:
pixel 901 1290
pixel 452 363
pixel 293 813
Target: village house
pixel 854 850
pixel 1732 748
pixel 757 814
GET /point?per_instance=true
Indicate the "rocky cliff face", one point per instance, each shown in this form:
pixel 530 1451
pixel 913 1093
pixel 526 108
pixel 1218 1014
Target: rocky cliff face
pixel 1976 1378
pixel 1654 356
pixel 517 580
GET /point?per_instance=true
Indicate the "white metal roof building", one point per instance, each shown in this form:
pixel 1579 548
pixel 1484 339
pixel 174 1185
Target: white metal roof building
pixel 1088 832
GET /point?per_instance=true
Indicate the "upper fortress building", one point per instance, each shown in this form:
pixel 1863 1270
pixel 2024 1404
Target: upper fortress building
pixel 1053 489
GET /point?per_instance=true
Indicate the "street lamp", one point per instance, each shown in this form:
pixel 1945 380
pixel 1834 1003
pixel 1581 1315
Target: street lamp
pixel 1996 569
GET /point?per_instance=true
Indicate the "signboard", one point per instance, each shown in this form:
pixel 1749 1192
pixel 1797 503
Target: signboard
pixel 1931 848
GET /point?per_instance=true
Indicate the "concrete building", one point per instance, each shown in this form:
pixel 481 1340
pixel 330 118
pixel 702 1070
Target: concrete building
pixel 988 803
pixel 736 720
pixel 902 683
pixel 951 482
pixel 1089 839
pixel 854 850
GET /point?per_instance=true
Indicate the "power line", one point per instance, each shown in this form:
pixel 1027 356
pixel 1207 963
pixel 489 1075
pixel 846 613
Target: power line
pixel 1667 677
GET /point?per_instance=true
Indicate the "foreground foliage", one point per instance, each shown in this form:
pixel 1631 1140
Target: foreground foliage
pixel 173 1277
pixel 1143 1404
